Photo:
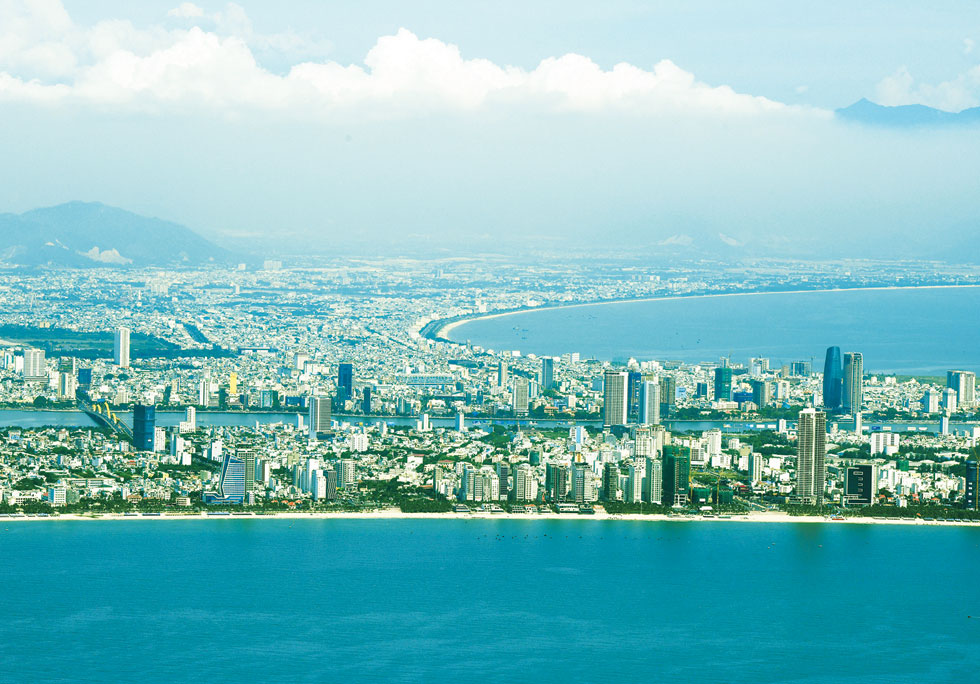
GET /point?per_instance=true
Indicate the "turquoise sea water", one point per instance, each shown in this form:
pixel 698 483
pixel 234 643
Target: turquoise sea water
pixel 911 331
pixel 486 601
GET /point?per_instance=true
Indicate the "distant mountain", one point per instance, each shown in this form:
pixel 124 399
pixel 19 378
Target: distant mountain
pixel 80 234
pixel 867 112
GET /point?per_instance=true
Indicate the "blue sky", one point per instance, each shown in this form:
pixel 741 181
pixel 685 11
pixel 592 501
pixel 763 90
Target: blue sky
pixel 652 123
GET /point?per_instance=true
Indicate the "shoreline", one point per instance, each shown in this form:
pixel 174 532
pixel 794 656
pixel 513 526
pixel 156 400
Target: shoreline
pixel 394 514
pixel 442 331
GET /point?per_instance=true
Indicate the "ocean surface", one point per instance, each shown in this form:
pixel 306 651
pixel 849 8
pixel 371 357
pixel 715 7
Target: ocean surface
pixel 908 331
pixel 550 602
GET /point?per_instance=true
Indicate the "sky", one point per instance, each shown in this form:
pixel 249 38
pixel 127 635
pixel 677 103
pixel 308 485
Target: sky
pixel 492 126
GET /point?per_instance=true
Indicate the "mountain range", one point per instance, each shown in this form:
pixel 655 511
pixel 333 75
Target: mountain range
pixel 80 234
pixel 868 112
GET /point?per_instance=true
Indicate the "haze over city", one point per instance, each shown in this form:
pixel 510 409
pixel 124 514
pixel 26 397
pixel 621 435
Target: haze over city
pixel 507 127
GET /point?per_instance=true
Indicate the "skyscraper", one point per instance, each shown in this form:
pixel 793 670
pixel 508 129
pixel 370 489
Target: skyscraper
pixel 964 382
pixel 248 459
pixel 144 424
pixel 860 485
pixel 547 373
pixel 676 475
pixel 811 449
pixel 653 484
pixel 366 401
pixel 723 384
pixel 319 415
pixel 852 395
pixel 231 484
pixel 502 374
pixel 120 347
pixel 668 394
pixel 633 381
pixel 35 365
pixel 833 378
pixel 345 381
pixel 649 403
pixel 521 394
pixel 761 393
pixel 614 398
pixel 971 497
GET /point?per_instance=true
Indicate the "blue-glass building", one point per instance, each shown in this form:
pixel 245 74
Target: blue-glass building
pixel 345 381
pixel 231 486
pixel 972 496
pixel 833 379
pixel 723 384
pixel 144 423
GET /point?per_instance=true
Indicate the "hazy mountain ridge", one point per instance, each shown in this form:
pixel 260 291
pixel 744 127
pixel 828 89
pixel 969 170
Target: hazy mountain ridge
pixel 87 234
pixel 867 112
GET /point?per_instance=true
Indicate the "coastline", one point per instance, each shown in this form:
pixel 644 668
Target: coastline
pixel 441 331
pixel 395 514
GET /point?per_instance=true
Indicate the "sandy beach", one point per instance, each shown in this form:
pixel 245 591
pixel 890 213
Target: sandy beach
pixel 395 514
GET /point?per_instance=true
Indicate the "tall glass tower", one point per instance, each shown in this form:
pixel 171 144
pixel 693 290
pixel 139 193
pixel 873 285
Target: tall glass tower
pixel 144 424
pixel 852 393
pixel 833 379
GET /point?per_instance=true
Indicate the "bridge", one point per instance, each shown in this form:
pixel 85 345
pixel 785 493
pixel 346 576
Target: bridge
pixel 102 413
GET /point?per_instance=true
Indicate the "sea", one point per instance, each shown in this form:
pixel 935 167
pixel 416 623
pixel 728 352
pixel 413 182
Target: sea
pixel 910 331
pixel 551 602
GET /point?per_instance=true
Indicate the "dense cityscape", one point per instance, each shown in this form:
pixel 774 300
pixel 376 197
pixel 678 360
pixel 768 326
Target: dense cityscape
pixel 317 388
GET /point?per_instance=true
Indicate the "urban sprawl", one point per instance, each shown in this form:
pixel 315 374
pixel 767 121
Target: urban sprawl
pixel 330 386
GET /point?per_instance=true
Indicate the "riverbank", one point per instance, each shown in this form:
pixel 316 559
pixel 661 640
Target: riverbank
pixel 395 514
pixel 440 330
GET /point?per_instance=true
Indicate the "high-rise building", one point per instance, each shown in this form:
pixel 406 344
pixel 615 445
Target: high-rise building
pixel 852 394
pixel 547 373
pixel 120 347
pixel 144 423
pixel 503 475
pixel 949 400
pixel 668 394
pixel 35 365
pixel 811 450
pixel 319 415
pixel 366 401
pixel 930 401
pixel 800 369
pixel 247 457
pixel 614 398
pixel 610 482
pixel 761 393
pixel 556 481
pixel 649 403
pixel 676 475
pixel 502 374
pixel 971 497
pixel 233 383
pixel 231 484
pixel 723 384
pixel 756 463
pixel 634 379
pixel 833 379
pixel 345 381
pixel 520 398
pixel 653 486
pixel 964 382
pixel 860 485
pixel 347 473
pixel 525 484
pixel 583 481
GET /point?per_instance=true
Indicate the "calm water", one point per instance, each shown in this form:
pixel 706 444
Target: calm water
pixel 921 331
pixel 486 601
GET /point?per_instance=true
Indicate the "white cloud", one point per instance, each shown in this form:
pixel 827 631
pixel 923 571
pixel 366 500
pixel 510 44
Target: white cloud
pixel 212 64
pixel 968 46
pixel 729 240
pixel 187 10
pixel 953 95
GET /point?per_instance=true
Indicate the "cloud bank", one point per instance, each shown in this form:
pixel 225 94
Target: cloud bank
pixel 194 60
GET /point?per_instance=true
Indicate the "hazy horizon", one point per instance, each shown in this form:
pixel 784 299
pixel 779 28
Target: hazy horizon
pixel 310 128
